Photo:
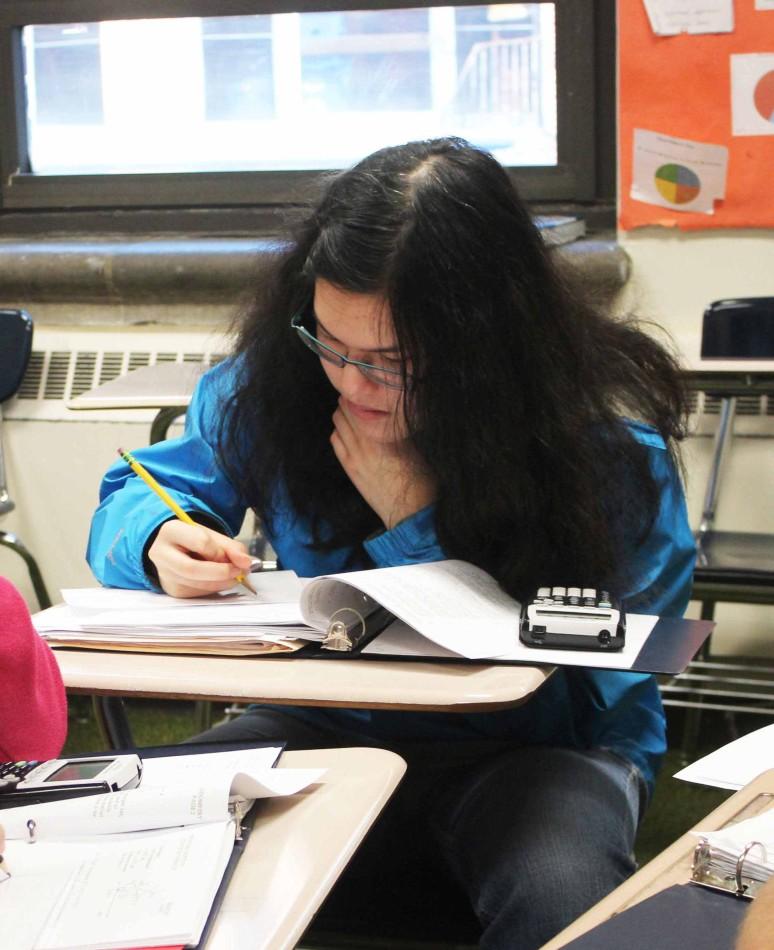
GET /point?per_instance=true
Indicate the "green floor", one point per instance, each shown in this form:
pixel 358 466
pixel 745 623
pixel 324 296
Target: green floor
pixel 676 805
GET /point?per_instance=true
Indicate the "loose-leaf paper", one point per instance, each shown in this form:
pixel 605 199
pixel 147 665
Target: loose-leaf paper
pixel 670 17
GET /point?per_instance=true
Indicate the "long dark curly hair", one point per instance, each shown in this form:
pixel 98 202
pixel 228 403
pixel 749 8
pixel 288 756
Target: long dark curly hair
pixel 518 385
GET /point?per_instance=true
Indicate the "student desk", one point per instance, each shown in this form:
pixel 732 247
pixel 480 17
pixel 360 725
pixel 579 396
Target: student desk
pixel 166 387
pixel 299 846
pixel 372 684
pixel 672 866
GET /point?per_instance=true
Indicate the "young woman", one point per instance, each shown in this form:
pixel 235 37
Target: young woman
pixel 33 708
pixel 414 381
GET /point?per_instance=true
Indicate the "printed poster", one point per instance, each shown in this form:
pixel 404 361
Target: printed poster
pixel 679 174
pixel 752 93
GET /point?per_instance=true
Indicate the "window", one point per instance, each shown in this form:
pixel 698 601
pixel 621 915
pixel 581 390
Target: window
pixel 171 103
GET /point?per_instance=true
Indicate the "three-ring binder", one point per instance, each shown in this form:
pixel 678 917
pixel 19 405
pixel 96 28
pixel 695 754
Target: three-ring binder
pixel 707 872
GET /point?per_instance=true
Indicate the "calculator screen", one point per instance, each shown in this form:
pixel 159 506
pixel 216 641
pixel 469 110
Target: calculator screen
pixel 75 771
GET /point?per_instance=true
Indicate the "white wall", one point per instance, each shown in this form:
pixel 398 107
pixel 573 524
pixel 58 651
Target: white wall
pixel 674 277
pixel 54 470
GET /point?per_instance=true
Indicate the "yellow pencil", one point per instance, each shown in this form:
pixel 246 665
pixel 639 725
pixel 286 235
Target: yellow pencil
pixel 169 501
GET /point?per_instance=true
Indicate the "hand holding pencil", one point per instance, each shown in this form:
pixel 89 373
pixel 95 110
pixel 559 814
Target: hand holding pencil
pixel 191 559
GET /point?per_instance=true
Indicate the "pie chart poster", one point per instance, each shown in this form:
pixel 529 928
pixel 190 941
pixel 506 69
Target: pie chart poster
pixel 711 89
pixel 752 94
pixel 678 174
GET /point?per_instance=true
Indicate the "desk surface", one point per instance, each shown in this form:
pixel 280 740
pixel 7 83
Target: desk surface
pixel 160 386
pixel 672 866
pixel 299 846
pixel 372 684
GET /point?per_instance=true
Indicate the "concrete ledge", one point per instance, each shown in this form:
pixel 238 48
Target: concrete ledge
pixel 148 273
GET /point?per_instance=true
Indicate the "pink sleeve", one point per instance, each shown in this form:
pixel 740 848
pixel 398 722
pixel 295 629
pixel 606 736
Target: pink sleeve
pixel 33 707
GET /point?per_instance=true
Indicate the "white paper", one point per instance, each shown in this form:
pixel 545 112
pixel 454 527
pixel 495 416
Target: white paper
pixel 454 604
pixel 670 17
pixel 679 174
pixel 752 93
pixel 271 587
pixel 400 640
pixel 729 843
pixel 736 764
pixel 125 891
pixel 764 4
pixel 175 790
pixel 251 772
pixel 138 809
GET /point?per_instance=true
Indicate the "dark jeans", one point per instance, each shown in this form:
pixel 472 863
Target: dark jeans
pixel 530 836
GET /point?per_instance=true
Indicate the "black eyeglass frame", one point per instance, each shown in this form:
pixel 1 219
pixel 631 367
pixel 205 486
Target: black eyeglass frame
pixel 376 374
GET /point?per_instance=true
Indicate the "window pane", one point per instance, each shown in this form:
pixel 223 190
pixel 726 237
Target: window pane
pixel 66 67
pixel 238 69
pixel 289 91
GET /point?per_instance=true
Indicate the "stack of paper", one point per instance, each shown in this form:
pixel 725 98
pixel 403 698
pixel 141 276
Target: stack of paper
pixel 232 623
pixel 133 869
pixel 748 845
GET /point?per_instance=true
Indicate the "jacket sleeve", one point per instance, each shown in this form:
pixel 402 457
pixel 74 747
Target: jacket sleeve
pixel 622 710
pixel 129 512
pixel 412 541
pixel 33 708
pixel 662 566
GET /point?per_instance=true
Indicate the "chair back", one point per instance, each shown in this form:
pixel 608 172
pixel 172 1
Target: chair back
pixel 15 349
pixel 740 328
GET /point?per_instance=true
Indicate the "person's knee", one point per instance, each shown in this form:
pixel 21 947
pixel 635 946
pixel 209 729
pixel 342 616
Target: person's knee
pixel 537 836
pixel 266 724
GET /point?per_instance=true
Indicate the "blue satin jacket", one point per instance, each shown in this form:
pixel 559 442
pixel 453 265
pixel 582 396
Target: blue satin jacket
pixel 579 708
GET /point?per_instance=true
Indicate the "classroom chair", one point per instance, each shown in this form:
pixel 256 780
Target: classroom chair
pixel 15 348
pixel 731 566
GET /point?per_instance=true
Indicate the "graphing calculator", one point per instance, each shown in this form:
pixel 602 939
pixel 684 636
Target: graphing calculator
pixel 573 618
pixel 33 782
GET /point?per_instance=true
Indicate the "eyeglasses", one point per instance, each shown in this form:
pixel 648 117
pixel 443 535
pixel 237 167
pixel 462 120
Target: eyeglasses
pixel 377 374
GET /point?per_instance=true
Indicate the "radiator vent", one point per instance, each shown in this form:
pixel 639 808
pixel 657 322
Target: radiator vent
pixel 64 374
pixel 760 404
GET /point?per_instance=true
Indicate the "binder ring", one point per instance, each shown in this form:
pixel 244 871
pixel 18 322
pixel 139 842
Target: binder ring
pixel 342 630
pixel 740 886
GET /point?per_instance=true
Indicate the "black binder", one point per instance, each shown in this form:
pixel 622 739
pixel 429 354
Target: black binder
pixel 669 649
pixel 678 917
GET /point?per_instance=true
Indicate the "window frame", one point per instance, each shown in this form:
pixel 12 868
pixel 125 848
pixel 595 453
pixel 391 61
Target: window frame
pixel 584 147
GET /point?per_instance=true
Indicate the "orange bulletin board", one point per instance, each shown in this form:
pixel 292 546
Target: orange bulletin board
pixel 680 86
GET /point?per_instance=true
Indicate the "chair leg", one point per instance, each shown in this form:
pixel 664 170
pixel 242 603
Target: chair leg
pixel 692 724
pixel 113 723
pixel 11 541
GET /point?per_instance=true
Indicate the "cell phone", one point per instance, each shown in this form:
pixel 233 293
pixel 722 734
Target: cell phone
pixel 35 782
pixel 573 618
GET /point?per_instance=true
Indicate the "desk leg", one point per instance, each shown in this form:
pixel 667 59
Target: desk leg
pixel 203 715
pixel 110 713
